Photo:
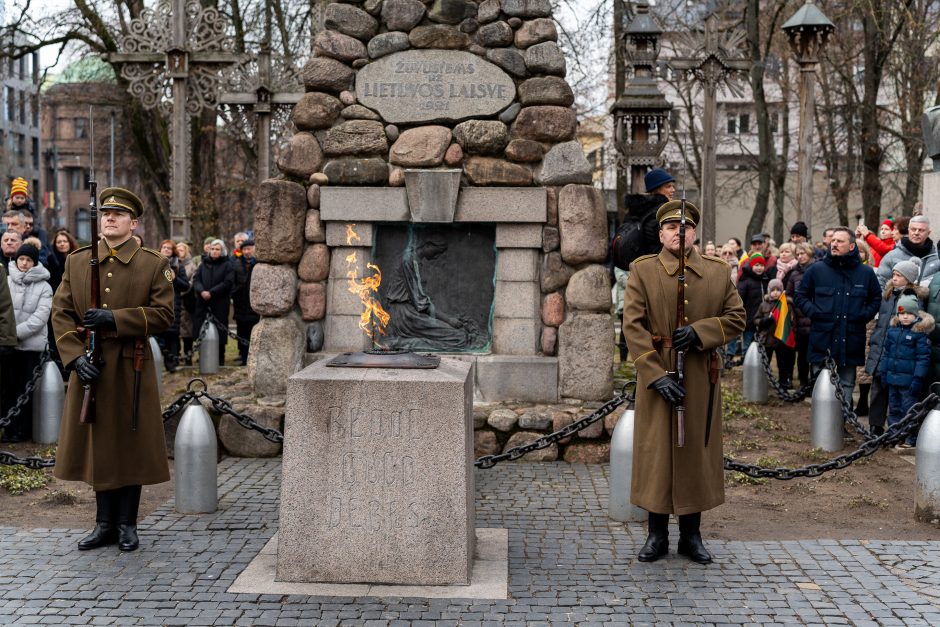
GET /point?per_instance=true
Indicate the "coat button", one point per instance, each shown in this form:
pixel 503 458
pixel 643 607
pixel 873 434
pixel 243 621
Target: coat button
pixel 686 302
pixel 110 275
pixel 111 260
pixel 104 305
pixel 107 289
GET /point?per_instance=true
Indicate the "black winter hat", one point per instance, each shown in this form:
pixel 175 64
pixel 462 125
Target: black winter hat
pixel 28 250
pixel 799 228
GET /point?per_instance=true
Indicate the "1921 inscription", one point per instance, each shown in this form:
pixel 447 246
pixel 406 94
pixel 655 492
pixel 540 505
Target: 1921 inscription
pixel 425 85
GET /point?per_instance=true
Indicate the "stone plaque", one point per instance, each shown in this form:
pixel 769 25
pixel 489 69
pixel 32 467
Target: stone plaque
pixel 377 479
pixel 433 85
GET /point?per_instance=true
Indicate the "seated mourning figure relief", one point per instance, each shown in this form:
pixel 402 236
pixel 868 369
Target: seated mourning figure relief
pixel 440 293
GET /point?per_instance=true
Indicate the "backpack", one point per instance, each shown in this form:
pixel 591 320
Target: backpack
pixel 629 242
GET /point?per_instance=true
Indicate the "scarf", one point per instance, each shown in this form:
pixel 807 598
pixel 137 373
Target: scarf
pixel 918 250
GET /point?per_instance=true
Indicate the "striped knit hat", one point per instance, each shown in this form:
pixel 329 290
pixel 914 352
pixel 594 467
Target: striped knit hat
pixel 19 186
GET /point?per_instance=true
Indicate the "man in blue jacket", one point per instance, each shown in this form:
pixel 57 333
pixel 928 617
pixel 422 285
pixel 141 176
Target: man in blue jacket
pixel 840 295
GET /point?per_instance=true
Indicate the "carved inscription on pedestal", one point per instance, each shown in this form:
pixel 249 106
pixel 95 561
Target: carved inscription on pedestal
pixel 375 479
pixel 433 85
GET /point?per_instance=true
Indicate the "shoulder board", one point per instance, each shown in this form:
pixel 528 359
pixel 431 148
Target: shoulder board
pixel 645 257
pixel 153 252
pixel 86 247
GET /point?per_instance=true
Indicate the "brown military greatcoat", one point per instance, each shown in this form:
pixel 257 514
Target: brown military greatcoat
pixel 136 285
pixel 668 479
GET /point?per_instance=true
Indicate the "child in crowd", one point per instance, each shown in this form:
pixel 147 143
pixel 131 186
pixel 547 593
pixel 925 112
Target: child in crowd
pixel 903 278
pixel 905 361
pixel 774 323
pixel 752 286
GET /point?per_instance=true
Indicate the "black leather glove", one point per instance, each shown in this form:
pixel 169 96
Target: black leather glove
pixel 669 389
pixel 86 371
pixel 6 350
pixel 683 338
pixel 99 320
pixel 765 323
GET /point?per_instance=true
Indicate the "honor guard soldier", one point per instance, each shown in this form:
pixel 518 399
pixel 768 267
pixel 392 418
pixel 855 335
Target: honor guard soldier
pixel 677 459
pixel 122 446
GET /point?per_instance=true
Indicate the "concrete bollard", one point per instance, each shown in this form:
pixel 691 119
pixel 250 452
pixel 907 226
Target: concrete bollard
pixel 157 363
pixel 48 399
pixel 195 462
pixel 755 379
pixel 927 484
pixel 619 506
pixel 209 351
pixel 826 424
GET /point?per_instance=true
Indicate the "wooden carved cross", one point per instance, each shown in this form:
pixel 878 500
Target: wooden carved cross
pixel 173 56
pixel 714 60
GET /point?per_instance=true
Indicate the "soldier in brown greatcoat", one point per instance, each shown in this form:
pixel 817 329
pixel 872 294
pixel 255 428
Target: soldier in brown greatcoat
pixel 668 479
pixel 136 301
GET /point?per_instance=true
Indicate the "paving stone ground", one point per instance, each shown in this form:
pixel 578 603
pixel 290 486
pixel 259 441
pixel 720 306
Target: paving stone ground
pixel 568 565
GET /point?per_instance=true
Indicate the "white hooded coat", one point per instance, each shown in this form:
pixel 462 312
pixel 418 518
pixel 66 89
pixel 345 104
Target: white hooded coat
pixel 32 304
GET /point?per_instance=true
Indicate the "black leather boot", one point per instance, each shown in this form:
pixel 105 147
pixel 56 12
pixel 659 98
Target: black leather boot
pixel 105 532
pixel 657 542
pixel 127 518
pixel 690 539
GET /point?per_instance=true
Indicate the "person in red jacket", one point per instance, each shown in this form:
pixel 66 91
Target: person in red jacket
pixel 882 243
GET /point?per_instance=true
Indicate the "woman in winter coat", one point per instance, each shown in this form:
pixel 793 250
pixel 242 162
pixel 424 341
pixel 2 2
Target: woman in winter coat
pixel 188 301
pixel 752 287
pixel 32 304
pixel 62 244
pixel 786 260
pixel 213 284
pixel 880 244
pixel 805 257
pixel 169 340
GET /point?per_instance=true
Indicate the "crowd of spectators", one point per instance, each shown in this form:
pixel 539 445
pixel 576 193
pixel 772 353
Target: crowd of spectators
pixel 31 269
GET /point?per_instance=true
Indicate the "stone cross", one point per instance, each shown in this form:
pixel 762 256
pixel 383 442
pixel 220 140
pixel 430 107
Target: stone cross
pixel 172 57
pixel 713 61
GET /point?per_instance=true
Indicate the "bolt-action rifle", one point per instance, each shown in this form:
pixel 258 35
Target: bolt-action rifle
pixel 680 320
pixel 93 349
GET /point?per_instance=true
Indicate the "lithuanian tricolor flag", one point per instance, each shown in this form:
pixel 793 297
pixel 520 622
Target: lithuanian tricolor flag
pixel 783 330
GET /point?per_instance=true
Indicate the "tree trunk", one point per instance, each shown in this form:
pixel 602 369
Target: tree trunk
pixel 764 139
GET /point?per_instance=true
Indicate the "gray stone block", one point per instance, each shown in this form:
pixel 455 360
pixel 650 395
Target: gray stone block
pixel 515 336
pixel 501 204
pixel 342 334
pixel 336 234
pixel 517 299
pixel 339 267
pixel 584 345
pixel 519 236
pixel 378 478
pixel 365 204
pixel 517 264
pixel 517 378
pixel 341 301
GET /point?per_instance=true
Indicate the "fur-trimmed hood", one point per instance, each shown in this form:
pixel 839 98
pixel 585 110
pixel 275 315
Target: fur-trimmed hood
pixel 920 291
pixel 925 322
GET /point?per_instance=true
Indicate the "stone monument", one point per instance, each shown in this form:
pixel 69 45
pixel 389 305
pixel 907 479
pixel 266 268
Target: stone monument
pixel 378 476
pixel 930 127
pixel 454 114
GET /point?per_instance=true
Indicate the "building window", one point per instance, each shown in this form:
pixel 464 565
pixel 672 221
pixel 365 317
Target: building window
pixel 739 123
pixel 10 108
pixel 35 153
pixel 22 107
pixel 21 150
pixel 34 109
pixel 775 123
pixel 82 225
pixel 81 128
pixel 78 179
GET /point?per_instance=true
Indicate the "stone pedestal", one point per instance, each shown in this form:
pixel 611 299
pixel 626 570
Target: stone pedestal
pixel 377 479
pixel 931 198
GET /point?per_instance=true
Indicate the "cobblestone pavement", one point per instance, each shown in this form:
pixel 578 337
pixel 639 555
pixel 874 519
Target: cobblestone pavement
pixel 568 564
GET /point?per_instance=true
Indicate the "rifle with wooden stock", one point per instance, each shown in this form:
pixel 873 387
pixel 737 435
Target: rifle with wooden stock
pixel 680 320
pixel 93 348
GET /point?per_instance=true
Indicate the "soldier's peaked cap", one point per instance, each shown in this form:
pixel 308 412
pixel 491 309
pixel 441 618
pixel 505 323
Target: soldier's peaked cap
pixel 670 212
pixel 122 200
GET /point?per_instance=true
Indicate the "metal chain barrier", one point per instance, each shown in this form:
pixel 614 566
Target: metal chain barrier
pixel 27 392
pixel 488 461
pixel 33 463
pixel 893 435
pixel 848 414
pixel 224 407
pixel 782 392
pixel 224 329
